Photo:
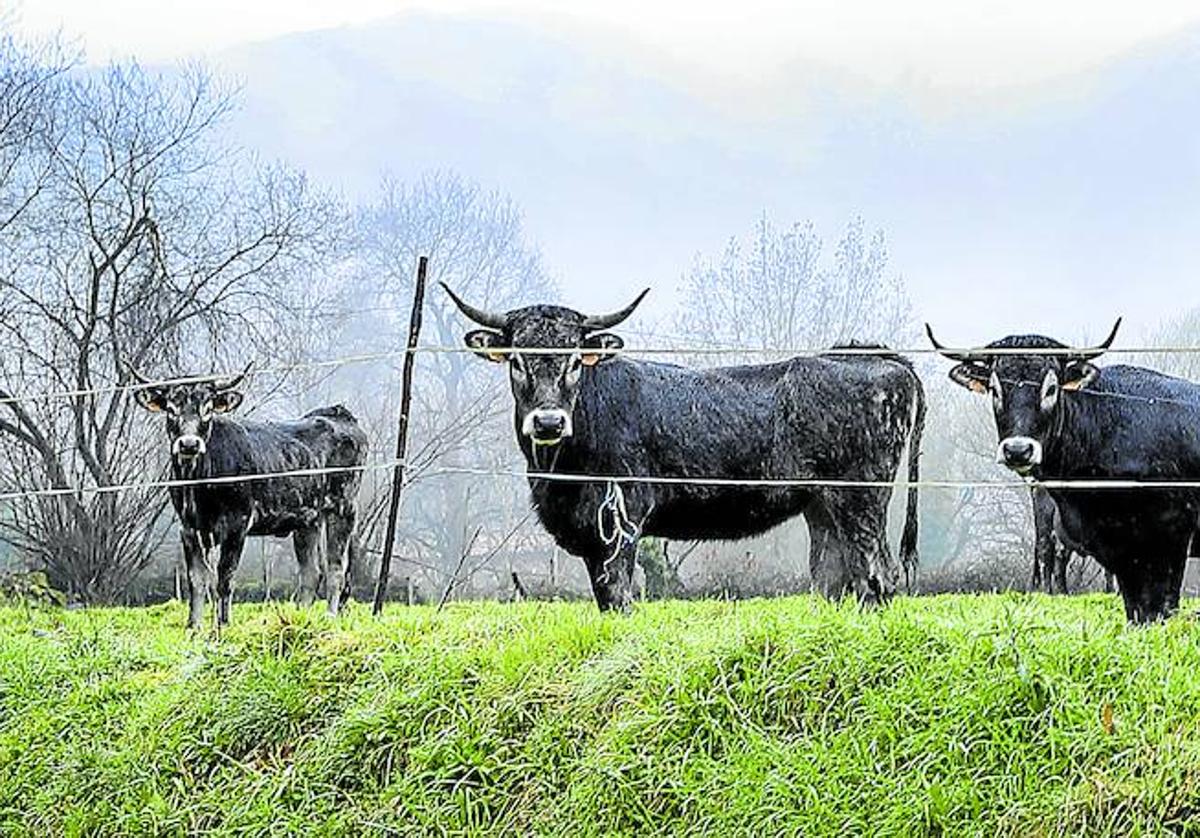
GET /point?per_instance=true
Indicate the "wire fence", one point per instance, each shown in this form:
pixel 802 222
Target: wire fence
pixel 708 481
pixel 713 351
pixel 623 479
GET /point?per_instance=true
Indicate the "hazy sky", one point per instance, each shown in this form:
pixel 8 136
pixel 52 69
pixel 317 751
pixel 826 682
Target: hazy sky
pixel 939 43
pixel 1044 151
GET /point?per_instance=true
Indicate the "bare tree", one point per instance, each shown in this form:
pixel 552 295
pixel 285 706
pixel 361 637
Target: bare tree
pixel 476 244
pixel 1181 330
pixel 774 290
pixel 150 243
pixel 30 75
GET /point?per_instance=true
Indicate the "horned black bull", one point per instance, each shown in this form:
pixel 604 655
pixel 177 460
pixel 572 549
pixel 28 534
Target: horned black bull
pixel 317 510
pixel 582 411
pixel 1061 418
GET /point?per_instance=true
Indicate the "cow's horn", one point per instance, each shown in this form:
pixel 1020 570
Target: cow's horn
pixel 1097 351
pixel 220 385
pixel 953 356
pixel 141 379
pixel 607 321
pixel 483 318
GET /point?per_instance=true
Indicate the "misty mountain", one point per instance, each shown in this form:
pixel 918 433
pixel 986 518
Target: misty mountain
pixel 1051 207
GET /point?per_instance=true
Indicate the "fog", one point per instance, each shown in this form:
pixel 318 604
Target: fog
pixel 1032 168
pixel 1052 208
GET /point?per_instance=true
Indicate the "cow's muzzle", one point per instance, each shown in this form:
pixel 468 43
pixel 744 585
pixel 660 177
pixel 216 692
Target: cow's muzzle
pixel 1019 453
pixel 547 426
pixel 187 447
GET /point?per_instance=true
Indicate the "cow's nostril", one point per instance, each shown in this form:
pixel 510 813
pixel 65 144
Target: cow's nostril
pixel 546 425
pixel 1020 449
pixel 190 446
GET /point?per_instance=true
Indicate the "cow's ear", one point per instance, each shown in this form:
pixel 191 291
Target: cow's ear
pixel 605 341
pixel 485 342
pixel 226 400
pixel 154 399
pixel 972 375
pixel 1078 374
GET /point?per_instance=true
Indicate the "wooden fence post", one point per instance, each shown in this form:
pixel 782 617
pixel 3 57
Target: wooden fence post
pixel 414 331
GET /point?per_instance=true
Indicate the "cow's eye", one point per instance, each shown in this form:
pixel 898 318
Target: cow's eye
pixel 1050 391
pixel 517 367
pixel 573 368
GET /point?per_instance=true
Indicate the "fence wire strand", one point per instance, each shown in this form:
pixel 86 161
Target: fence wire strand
pixel 713 351
pixel 571 477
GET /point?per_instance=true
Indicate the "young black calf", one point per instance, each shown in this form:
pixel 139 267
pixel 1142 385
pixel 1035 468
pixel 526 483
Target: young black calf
pixel 317 510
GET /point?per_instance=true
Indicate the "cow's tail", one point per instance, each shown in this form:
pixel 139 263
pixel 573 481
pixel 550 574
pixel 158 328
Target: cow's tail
pixel 351 563
pixel 908 541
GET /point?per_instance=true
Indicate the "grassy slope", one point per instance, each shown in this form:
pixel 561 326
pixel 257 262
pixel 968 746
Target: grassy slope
pixel 968 715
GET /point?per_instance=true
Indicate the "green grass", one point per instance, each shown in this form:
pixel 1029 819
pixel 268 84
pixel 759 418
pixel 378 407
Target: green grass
pixel 957 715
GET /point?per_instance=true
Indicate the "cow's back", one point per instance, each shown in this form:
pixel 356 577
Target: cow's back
pixel 852 412
pixel 343 445
pixel 1132 422
pixel 335 430
pixel 764 420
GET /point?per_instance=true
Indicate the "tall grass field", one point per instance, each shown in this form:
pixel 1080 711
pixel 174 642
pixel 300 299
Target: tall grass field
pixel 955 715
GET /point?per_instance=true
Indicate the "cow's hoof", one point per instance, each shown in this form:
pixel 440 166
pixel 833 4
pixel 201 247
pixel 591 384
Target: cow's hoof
pixel 872 593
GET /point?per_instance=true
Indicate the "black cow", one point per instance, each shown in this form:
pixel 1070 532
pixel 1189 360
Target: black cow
pixel 1061 418
pixel 312 508
pixel 1050 555
pixel 1053 548
pixel 583 411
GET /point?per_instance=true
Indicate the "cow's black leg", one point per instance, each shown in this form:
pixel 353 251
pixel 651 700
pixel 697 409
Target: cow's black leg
pixel 231 555
pixel 1163 591
pixel 1045 546
pixel 307 542
pixel 1062 558
pixel 855 555
pixel 1148 598
pixel 1134 598
pixel 611 557
pixel 339 528
pixel 195 557
pixel 825 557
